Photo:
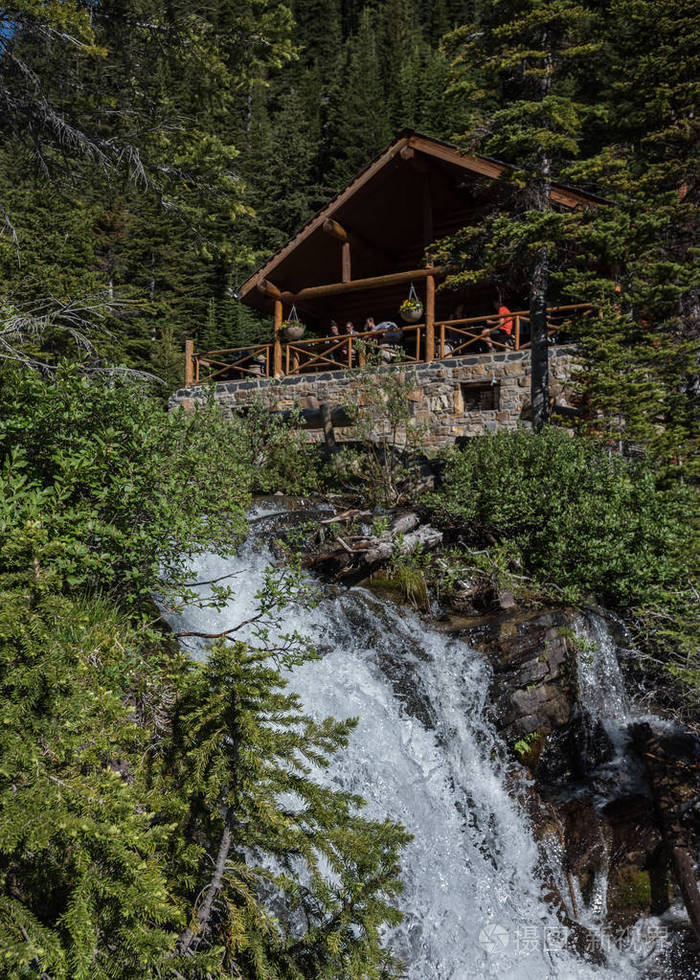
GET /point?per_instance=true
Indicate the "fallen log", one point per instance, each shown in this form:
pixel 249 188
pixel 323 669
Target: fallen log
pixel 351 562
pixel 425 537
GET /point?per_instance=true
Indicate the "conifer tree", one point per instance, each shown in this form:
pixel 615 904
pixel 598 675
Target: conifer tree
pixel 640 353
pixel 514 71
pixel 160 817
pixel 359 125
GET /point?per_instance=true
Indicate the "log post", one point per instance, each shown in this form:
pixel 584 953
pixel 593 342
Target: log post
pixel 430 318
pixel 517 333
pixel 277 326
pixel 345 261
pixel 189 363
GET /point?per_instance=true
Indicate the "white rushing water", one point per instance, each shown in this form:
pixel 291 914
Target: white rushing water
pixel 423 753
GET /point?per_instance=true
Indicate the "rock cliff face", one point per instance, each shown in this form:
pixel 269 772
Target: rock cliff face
pixel 622 798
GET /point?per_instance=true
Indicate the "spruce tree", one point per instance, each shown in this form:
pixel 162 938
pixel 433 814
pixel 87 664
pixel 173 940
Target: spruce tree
pixel 515 73
pixel 160 817
pixel 640 353
pixel 359 126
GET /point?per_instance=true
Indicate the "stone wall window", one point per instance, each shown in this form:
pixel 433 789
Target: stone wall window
pixel 477 397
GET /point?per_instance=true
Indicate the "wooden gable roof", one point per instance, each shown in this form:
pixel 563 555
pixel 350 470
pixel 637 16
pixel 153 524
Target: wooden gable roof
pixel 383 210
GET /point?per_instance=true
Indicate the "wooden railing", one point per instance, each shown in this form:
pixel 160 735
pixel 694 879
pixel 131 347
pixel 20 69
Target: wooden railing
pixel 253 361
pixel 354 349
pixel 452 338
pixel 456 337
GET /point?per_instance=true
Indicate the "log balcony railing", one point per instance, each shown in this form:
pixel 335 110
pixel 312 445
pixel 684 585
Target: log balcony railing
pixel 418 344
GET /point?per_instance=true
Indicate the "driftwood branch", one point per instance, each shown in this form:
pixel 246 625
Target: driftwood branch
pixel 352 559
pixel 223 633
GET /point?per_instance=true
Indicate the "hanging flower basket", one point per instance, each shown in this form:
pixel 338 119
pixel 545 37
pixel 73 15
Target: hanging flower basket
pixel 411 309
pixel 292 327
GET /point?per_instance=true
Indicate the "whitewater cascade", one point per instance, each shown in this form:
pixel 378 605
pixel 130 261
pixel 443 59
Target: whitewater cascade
pixel 423 753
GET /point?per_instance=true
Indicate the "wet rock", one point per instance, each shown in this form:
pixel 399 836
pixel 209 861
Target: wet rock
pixel 572 755
pixel 672 761
pixel 533 688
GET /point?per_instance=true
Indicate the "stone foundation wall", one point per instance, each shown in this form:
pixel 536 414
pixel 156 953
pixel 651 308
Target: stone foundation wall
pixel 462 396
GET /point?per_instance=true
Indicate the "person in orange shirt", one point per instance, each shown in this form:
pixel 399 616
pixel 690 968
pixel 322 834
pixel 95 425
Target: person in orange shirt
pixel 504 323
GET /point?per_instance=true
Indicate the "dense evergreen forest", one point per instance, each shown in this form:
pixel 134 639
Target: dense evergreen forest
pixel 162 158
pixel 150 158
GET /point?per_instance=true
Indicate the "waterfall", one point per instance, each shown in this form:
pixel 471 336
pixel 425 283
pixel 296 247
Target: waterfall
pixel 601 686
pixel 423 753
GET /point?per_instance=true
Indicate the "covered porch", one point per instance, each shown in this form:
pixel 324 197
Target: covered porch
pixel 358 258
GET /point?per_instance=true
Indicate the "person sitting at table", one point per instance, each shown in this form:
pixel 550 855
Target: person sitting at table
pixel 333 331
pixel 344 352
pixel 504 332
pixel 391 337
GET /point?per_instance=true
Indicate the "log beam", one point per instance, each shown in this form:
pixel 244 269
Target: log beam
pixel 357 285
pixel 335 230
pixel 268 288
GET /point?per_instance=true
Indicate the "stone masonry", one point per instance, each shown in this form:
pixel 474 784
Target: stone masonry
pixel 452 398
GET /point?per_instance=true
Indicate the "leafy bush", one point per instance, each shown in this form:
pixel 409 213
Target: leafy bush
pixel 584 519
pixel 101 488
pixel 385 467
pixel 277 451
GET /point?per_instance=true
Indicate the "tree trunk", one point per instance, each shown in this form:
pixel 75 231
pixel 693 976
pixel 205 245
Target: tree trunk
pixel 539 343
pixel 539 283
pixel 214 887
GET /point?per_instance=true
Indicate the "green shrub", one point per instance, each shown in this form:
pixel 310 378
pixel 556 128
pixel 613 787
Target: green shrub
pixel 588 521
pixel 277 451
pixel 101 488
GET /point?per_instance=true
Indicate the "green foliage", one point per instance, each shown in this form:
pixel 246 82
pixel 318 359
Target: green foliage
pixel 387 465
pixel 582 518
pixel 129 772
pixel 584 521
pixel 276 451
pixel 126 766
pixel 103 489
pixel 523 746
pixel 408 576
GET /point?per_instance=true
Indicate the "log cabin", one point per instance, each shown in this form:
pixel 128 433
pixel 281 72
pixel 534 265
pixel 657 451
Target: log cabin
pixel 363 255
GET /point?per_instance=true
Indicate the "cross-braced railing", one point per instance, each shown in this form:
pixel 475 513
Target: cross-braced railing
pixel 354 349
pixel 239 362
pixel 406 344
pixel 477 334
